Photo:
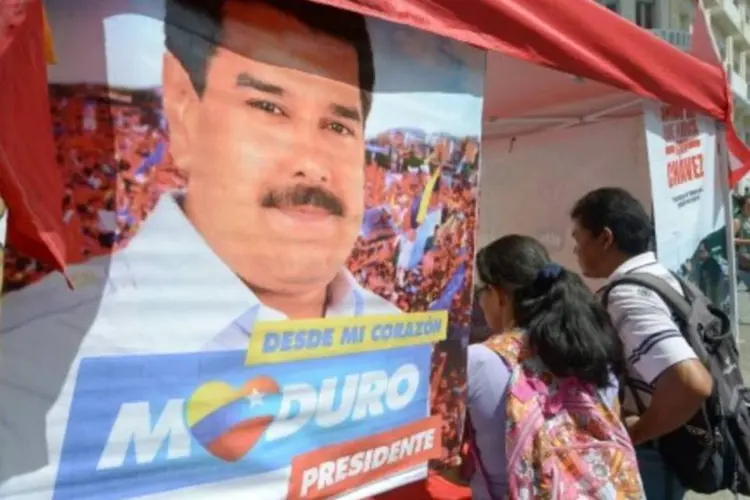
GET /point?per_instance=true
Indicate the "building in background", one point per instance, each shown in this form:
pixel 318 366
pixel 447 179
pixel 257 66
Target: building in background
pixel 730 23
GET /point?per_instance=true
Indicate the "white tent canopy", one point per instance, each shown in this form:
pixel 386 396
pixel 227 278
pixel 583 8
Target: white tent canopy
pixel 522 98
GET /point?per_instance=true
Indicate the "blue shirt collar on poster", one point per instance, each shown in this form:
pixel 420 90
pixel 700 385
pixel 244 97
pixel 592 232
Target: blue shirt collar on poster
pixel 178 252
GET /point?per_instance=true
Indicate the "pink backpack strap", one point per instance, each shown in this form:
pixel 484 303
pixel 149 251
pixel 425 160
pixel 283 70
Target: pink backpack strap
pixel 519 439
pixel 510 346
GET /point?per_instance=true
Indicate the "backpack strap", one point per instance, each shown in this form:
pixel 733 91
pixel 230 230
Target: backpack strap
pixel 510 346
pixel 678 304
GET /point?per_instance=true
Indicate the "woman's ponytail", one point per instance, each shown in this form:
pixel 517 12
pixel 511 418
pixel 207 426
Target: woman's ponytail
pixel 567 327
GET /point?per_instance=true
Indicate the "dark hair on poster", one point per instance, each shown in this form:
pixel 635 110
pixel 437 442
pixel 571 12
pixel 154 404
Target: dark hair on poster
pixel 193 29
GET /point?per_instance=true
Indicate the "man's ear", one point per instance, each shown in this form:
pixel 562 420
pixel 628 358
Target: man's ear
pixel 180 103
pixel 607 239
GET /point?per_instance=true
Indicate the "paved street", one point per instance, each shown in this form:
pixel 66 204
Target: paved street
pixel 744 303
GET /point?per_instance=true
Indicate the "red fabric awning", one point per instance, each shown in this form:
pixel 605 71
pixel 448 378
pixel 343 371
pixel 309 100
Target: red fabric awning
pixel 579 37
pixel 30 183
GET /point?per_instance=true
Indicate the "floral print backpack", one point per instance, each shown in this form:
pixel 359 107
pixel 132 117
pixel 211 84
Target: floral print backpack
pixel 562 441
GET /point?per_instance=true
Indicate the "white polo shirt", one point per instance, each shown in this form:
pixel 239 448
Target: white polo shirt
pixel 651 338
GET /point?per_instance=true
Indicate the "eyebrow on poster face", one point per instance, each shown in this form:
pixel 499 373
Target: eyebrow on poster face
pixel 246 80
pixel 348 112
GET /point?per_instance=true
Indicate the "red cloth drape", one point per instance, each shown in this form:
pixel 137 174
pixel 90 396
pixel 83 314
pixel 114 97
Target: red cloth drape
pixel 30 183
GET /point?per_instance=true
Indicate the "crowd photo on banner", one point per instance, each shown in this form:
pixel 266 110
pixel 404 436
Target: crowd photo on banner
pixel 249 217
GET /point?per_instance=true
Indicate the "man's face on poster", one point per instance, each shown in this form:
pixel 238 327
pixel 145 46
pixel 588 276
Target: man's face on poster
pixel 273 149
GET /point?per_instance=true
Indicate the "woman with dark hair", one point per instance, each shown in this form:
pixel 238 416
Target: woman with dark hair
pixel 542 390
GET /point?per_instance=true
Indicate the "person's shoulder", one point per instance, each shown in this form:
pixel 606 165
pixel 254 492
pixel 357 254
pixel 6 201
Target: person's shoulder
pixel 631 294
pixel 482 362
pixel 485 369
pixel 636 303
pixel 480 355
pixel 659 270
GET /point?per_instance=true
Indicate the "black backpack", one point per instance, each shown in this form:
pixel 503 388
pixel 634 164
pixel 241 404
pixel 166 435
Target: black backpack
pixel 711 452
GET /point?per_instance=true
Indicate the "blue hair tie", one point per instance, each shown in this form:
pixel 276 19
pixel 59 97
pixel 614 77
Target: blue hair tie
pixel 550 272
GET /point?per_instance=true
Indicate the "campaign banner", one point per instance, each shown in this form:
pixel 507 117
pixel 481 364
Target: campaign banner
pixel 166 417
pixel 270 209
pixel 688 206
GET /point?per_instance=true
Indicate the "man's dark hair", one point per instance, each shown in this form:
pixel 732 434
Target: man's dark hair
pixel 616 209
pixel 193 29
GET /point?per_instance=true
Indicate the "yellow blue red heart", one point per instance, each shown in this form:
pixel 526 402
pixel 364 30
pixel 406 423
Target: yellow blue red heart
pixel 229 421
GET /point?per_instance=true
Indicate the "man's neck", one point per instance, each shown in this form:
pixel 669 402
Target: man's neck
pixel 296 306
pixel 615 261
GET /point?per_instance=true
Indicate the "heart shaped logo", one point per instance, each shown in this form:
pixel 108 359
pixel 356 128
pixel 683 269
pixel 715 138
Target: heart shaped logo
pixel 228 422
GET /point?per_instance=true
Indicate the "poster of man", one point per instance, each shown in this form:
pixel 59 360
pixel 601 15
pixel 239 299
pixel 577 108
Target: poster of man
pixel 271 209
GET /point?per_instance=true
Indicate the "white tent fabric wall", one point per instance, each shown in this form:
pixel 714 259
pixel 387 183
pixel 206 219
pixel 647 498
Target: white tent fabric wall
pixel 529 184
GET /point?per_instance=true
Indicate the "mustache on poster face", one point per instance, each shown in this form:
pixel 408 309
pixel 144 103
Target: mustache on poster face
pixel 304 196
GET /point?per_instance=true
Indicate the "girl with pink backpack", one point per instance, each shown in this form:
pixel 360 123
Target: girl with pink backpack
pixel 542 389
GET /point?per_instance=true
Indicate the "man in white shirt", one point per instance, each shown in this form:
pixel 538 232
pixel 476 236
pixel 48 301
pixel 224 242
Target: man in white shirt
pixel 613 235
pixel 266 107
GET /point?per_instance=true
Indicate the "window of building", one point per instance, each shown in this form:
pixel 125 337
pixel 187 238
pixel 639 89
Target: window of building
pixel 686 22
pixel 612 5
pixel 645 14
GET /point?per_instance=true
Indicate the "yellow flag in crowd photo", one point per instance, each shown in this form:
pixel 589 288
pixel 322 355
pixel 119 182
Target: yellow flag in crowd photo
pixel 424 204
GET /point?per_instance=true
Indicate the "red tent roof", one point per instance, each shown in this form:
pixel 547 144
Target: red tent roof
pixel 579 37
